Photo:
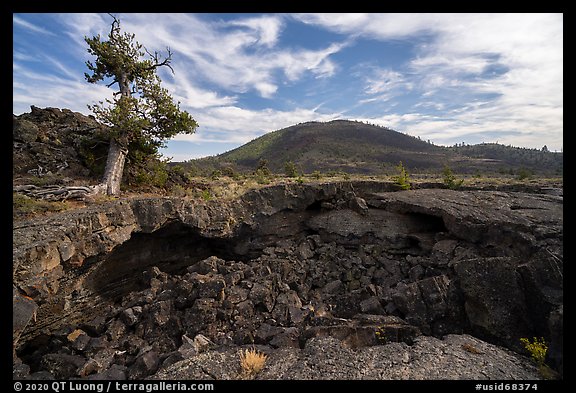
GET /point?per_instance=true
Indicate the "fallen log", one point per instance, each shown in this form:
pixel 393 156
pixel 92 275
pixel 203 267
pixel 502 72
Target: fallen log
pixel 54 193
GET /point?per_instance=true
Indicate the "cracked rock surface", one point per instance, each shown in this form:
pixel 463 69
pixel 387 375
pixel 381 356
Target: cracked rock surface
pixel 333 280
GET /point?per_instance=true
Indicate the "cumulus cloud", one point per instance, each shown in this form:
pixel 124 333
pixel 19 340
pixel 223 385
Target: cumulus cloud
pixel 516 59
pixel 232 124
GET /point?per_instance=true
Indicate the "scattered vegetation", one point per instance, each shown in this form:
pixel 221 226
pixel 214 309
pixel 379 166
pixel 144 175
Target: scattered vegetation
pixel 25 207
pixel 206 195
pixel 360 148
pixel 251 362
pixel 262 173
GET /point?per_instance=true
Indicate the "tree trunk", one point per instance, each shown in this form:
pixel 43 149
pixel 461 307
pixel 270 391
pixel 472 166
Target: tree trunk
pixel 116 153
pixel 114 168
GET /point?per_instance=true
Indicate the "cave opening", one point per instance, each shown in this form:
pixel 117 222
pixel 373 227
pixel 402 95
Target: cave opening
pixel 172 249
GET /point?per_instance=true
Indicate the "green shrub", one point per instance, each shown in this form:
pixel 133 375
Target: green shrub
pixel 290 169
pixel 402 179
pixel 178 191
pixel 229 172
pixel 155 173
pixel 450 180
pixel 537 349
pixel 524 174
pixel 262 168
pixel 262 176
pixel 206 195
pixel 381 335
pixel 216 174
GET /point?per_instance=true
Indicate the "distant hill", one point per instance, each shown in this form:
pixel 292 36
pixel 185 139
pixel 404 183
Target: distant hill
pixel 356 147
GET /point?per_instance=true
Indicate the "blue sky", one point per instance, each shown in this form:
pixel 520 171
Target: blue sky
pixel 449 78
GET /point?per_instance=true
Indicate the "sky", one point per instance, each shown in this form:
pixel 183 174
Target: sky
pixel 448 78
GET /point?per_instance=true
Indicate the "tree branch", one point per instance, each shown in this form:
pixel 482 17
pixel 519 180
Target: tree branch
pixel 114 81
pixel 157 62
pixel 115 25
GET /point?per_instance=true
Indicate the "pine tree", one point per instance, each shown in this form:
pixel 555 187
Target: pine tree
pixel 141 113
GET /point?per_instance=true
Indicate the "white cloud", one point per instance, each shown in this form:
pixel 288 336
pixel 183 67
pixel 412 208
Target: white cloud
pixel 181 85
pixel 45 90
pixel 70 96
pixel 29 26
pixel 265 28
pixel 474 72
pixel 524 52
pixel 78 26
pixel 232 124
pixel 382 84
pixel 237 56
pixel 378 26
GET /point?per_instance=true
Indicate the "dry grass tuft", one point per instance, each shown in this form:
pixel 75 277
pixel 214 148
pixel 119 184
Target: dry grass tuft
pixel 252 362
pixel 471 348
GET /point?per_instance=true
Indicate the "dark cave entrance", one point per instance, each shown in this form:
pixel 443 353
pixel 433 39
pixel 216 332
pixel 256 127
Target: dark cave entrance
pixel 171 248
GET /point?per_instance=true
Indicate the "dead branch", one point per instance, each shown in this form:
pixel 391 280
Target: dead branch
pixel 54 193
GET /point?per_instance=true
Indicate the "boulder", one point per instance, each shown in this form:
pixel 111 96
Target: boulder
pixel 495 302
pixel 23 311
pixel 24 130
pixel 433 304
pixel 145 365
pixel 262 295
pixel 62 366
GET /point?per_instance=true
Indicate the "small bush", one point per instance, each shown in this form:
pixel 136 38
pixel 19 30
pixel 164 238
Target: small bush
pixel 206 195
pixel 524 174
pixel 155 173
pixel 229 172
pixel 290 169
pixel 252 362
pixel 402 179
pixel 450 180
pixel 537 349
pixel 263 168
pixel 381 335
pixel 216 174
pixel 178 191
pixel 262 176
